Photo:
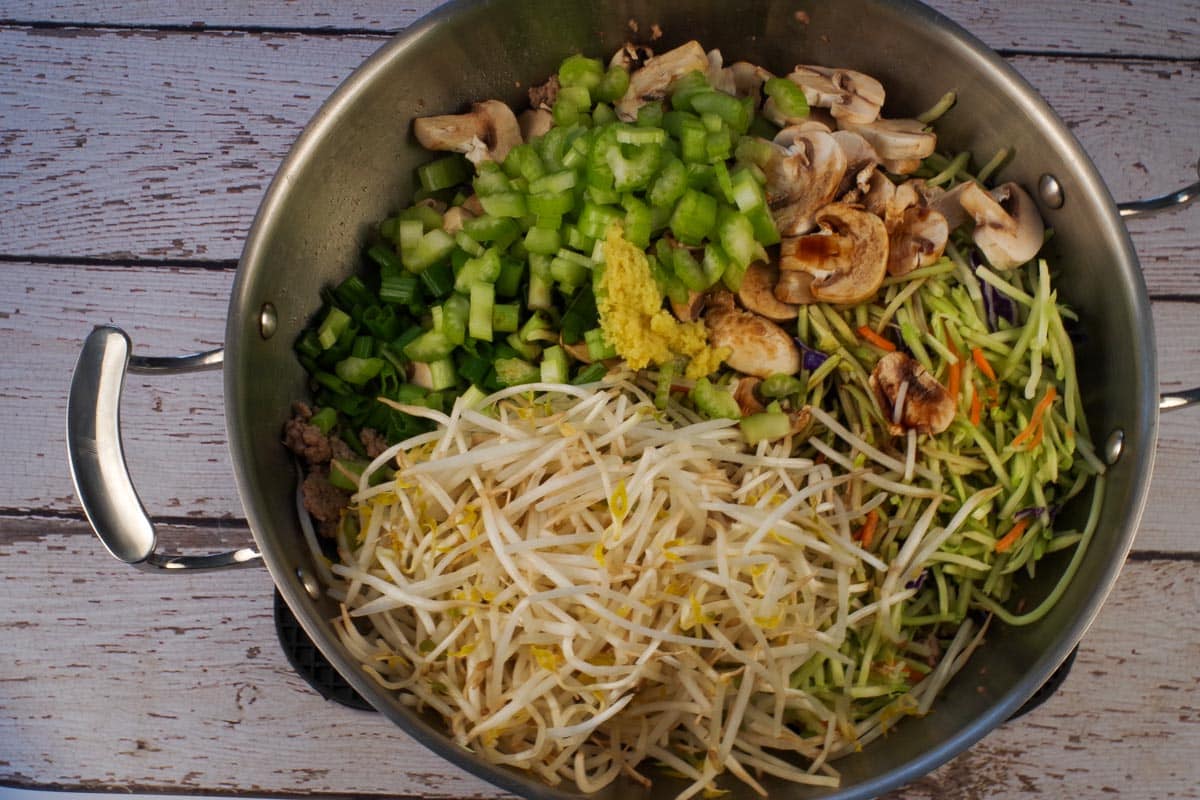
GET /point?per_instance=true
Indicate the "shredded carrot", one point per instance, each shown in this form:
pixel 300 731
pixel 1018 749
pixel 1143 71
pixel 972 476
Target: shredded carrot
pixel 1034 430
pixel 1012 537
pixel 976 407
pixel 955 381
pixel 874 338
pixel 982 362
pixel 866 533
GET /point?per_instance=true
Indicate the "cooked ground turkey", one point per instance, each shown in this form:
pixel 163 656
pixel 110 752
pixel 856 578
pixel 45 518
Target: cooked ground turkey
pixel 305 439
pixel 323 501
pixel 544 95
pixel 372 440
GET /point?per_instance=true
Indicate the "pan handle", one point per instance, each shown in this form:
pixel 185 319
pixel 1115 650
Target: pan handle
pixel 97 457
pixel 1169 401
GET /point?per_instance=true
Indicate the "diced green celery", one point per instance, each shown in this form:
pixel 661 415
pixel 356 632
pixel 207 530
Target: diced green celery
pixel 598 348
pixel 695 217
pixel 715 262
pixel 579 70
pixel 594 220
pixel 669 186
pixel 429 346
pixel 408 237
pixel 776 386
pixel 714 402
pixel 746 192
pixel 754 150
pixel 484 269
pixel 789 98
pixel 613 85
pixel 427 215
pixel 736 234
pixel 633 165
pixel 725 106
pixel 479 321
pixel 357 371
pixel 554 367
pixel 526 350
pixel 516 371
pixel 512 272
pixel 542 241
pixel 506 317
pixel 554 182
pixel 688 269
pixel 491 179
pixel 442 374
pixel 631 134
pixel 765 426
pixel 332 327
pixel 685 88
pixel 638 221
pixel 765 230
pixel 454 318
pixel 444 173
pixel 504 204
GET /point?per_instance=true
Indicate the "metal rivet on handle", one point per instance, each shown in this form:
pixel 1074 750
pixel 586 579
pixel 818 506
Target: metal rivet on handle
pixel 309 582
pixel 1114 446
pixel 267 321
pixel 1051 191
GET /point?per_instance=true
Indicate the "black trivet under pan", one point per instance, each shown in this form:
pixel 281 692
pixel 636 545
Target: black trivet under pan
pixel 306 659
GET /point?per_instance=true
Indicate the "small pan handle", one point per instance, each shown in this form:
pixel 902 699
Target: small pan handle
pixel 97 456
pixel 1137 208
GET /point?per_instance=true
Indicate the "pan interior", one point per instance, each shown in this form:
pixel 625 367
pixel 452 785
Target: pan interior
pixel 354 166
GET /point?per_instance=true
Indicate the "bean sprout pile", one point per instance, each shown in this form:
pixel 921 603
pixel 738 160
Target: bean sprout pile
pixel 578 582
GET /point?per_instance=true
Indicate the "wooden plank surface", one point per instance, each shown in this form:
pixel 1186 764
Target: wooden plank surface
pixel 153 145
pixel 1165 28
pixel 196 693
pixel 135 143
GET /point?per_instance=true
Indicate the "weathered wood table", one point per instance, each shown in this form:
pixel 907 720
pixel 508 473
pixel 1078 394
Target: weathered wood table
pixel 135 144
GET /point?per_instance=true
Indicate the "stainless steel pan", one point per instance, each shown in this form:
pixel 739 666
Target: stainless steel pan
pixel 353 165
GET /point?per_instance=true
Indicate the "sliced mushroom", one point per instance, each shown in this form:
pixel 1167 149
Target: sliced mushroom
pixel 861 97
pixel 689 311
pixel 419 374
pixel 848 259
pixel 1008 227
pixel 535 122
pixel 877 196
pixel 802 178
pixel 474 205
pixel 801 419
pixel 897 141
pixel 487 133
pixel 852 97
pixel 744 392
pixel 948 203
pixel 652 81
pixel 455 216
pixel 911 398
pixel 756 345
pixel 757 293
pixel 748 79
pixel 861 160
pixel 719 78
pixel 902 166
pixel 631 56
pixel 794 287
pixel 917 240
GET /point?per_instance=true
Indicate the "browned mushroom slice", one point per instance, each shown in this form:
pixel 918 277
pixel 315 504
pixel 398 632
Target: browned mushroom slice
pixel 757 293
pixel 689 311
pixel 652 81
pixel 917 240
pixel 1008 227
pixel 486 133
pixel 852 97
pixel 911 398
pixel 948 203
pixel 861 160
pixel 745 395
pixel 748 78
pixel 455 216
pixel 794 287
pixel 802 178
pixel 848 259
pixel 756 345
pixel 535 122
